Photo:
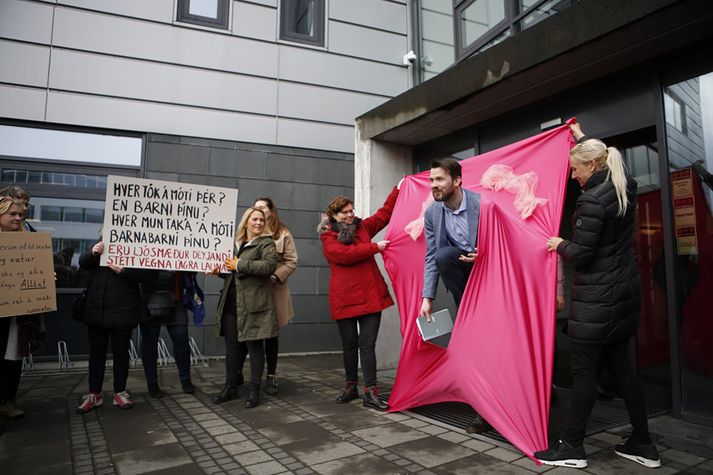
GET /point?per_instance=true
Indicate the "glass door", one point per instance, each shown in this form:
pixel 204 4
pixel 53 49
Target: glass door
pixel 688 107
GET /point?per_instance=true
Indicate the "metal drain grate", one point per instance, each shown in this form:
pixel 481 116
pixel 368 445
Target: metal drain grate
pixel 605 415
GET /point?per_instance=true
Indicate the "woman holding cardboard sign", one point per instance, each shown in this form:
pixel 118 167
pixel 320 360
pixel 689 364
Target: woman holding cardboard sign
pixel 19 336
pixel 246 306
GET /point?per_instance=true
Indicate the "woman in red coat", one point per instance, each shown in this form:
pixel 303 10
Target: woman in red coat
pixel 357 291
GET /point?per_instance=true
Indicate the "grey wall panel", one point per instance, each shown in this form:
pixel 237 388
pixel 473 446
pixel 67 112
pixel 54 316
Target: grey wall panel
pixel 438 26
pixel 291 168
pixel 162 118
pixel 24 64
pixel 309 252
pixel 328 105
pixel 157 10
pixel 381 14
pixel 139 39
pixel 295 133
pixel 367 43
pixel 311 308
pixel 254 21
pixel 27 21
pixel 22 103
pixel 303 281
pixel 321 68
pixel 138 79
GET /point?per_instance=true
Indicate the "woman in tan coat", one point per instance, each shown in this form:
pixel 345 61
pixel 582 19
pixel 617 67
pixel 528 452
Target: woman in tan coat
pixel 286 265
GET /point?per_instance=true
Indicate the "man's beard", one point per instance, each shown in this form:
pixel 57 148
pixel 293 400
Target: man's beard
pixel 445 195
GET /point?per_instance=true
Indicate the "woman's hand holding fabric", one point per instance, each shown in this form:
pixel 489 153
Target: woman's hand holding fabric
pixel 553 242
pixel 382 245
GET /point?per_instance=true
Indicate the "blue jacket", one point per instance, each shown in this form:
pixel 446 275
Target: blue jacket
pixel 435 231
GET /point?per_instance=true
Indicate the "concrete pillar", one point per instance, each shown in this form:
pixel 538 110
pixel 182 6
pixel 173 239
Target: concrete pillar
pixel 378 167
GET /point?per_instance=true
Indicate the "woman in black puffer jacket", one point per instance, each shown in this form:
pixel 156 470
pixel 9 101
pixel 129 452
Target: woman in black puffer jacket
pixel 606 299
pixel 112 309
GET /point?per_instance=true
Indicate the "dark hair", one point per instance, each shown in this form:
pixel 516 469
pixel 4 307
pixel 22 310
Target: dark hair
pixel 277 226
pixel 16 192
pixel 336 205
pixel 451 165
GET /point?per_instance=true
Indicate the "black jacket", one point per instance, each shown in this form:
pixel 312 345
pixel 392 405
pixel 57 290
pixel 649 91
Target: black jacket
pixel 606 291
pixel 113 300
pixel 163 308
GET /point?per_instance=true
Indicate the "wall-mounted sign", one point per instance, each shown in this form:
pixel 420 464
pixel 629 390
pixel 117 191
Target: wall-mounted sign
pixel 684 212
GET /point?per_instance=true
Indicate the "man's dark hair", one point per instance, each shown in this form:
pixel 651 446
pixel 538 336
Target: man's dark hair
pixel 451 165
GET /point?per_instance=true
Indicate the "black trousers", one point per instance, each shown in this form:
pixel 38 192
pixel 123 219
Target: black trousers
pixel 10 370
pixel 455 274
pixel 149 350
pixel 271 350
pixel 361 341
pixel 98 344
pixel 586 359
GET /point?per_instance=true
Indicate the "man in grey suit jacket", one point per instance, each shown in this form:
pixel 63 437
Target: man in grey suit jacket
pixel 451 228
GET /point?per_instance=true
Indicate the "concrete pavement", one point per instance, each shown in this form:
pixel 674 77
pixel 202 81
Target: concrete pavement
pixel 301 431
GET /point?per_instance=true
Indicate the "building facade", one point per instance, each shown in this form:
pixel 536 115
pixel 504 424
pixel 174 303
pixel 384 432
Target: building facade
pixel 639 75
pixel 258 95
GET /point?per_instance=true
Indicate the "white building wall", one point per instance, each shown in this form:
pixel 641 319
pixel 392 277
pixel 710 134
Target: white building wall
pixel 127 64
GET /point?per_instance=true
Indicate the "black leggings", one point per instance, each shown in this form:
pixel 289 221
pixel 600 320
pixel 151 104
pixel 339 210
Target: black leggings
pixel 586 360
pixel 360 341
pixel 271 350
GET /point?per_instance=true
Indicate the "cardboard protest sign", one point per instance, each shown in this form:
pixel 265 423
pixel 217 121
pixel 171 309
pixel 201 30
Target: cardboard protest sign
pixel 154 224
pixel 26 274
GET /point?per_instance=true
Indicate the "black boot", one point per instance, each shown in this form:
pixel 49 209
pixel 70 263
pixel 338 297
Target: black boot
pixel 371 399
pixel 253 399
pixel 155 390
pixel 230 391
pixel 271 385
pixel 349 394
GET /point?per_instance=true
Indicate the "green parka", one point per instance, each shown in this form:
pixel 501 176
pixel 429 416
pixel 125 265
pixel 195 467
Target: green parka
pixel 254 306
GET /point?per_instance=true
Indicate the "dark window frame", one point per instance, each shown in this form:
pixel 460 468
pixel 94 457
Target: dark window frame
pixel 510 24
pixel 288 20
pixel 183 15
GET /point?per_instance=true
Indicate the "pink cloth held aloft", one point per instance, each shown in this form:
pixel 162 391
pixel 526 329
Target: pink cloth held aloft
pixel 500 355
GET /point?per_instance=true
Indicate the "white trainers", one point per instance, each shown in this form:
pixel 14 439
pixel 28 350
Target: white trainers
pixel 89 402
pixel 123 400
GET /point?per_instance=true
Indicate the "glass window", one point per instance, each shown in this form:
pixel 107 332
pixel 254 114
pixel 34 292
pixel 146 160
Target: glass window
pixel 690 160
pixel 51 213
pixel 212 13
pixel 302 21
pixel 541 11
pixel 479 18
pixel 675 111
pixel 65 146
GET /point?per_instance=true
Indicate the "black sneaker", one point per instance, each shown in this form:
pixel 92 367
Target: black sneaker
pixel 645 454
pixel 562 454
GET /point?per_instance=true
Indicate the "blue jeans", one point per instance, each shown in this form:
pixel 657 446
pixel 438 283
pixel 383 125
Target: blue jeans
pixel 149 350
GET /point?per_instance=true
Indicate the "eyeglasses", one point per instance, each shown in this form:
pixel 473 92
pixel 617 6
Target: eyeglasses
pixel 348 211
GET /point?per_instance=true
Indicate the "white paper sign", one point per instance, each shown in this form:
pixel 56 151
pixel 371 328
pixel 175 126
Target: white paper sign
pixel 154 224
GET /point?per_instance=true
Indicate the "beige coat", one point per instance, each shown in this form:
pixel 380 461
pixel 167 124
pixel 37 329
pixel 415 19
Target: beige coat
pixel 287 251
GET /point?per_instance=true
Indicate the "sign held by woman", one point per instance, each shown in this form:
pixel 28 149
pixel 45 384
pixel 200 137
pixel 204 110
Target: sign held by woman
pixel 154 224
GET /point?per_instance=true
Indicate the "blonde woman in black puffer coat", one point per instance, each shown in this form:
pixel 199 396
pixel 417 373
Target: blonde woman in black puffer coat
pixel 605 299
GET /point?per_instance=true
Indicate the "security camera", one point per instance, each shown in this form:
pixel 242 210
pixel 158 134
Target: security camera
pixel 409 58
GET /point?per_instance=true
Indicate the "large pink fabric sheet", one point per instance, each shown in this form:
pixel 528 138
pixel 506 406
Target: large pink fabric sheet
pixel 499 359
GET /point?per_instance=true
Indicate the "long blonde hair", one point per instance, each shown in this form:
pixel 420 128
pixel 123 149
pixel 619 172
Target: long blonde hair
pixel 242 234
pixel 7 202
pixel 609 158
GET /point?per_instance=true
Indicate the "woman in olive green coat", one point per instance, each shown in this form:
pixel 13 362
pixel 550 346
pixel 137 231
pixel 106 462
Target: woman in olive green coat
pixel 246 305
